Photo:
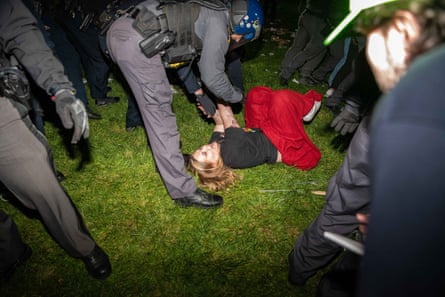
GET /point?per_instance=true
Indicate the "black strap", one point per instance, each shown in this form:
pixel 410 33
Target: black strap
pixel 212 4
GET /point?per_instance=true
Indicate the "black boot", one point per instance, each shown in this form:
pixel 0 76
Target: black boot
pixel 97 263
pixel 200 199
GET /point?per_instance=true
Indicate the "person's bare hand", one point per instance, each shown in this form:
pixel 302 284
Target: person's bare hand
pixel 363 220
pixel 227 116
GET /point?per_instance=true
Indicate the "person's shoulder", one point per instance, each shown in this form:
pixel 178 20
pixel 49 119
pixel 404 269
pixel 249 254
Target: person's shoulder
pixel 424 75
pixel 432 62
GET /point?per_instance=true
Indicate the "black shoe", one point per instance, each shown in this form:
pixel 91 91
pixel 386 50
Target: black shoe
pixel 93 115
pixel 308 81
pixel 200 199
pixel 97 263
pixel 26 254
pixel 60 176
pixel 106 101
pixel 186 159
pixel 320 82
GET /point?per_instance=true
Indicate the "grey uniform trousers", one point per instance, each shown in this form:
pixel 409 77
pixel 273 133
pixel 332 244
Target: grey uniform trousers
pixel 148 81
pixel 27 171
pixel 348 193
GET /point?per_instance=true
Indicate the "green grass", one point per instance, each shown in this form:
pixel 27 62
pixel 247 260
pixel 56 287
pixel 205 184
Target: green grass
pixel 159 249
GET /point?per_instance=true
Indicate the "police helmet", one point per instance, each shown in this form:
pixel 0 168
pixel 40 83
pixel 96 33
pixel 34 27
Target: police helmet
pixel 247 18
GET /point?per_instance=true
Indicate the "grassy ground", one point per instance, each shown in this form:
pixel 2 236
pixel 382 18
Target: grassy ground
pixel 159 249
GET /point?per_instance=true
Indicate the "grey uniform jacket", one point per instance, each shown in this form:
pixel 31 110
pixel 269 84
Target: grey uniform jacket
pixel 212 27
pixel 29 47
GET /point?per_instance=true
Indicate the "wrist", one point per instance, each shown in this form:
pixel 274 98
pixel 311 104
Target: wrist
pixel 353 108
pixel 199 92
pixel 70 92
pixel 219 128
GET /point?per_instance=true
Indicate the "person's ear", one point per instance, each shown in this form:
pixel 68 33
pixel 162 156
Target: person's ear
pixel 407 23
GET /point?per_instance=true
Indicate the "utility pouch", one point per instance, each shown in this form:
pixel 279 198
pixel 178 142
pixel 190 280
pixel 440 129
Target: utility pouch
pixel 14 85
pixel 157 43
pixel 187 46
pixel 147 23
pixel 178 56
pixel 154 29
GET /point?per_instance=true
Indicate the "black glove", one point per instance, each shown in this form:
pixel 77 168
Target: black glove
pixel 207 103
pixel 348 119
pixel 72 113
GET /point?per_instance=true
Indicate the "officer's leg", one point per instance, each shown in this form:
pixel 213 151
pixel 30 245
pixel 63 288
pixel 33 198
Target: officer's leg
pixel 12 248
pixel 69 58
pixel 133 117
pixel 151 88
pixel 235 73
pixel 308 68
pixel 95 65
pixel 347 194
pixel 27 172
pixel 312 48
pixel 335 54
pixel 287 69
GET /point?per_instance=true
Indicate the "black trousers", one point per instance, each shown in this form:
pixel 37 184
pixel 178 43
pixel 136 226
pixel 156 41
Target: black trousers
pixel 348 193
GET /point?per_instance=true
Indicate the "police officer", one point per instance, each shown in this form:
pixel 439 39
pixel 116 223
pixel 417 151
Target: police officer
pixel 76 19
pixel 156 36
pixel 25 168
pixel 307 46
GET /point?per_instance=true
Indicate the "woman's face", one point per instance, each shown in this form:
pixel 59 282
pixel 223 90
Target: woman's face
pixel 209 153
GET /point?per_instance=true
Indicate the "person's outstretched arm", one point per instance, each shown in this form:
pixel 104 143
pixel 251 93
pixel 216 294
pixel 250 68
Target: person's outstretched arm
pixel 227 116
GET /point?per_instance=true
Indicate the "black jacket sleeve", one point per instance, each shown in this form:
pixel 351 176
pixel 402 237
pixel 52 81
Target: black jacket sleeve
pixel 20 36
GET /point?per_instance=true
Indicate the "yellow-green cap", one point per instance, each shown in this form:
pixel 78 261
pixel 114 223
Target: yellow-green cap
pixel 355 7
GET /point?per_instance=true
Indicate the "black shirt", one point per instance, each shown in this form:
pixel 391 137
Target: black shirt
pixel 244 148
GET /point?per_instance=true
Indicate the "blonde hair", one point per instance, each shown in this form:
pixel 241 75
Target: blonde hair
pixel 215 177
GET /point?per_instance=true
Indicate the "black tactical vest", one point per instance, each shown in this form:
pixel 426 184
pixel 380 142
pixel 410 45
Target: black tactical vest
pixel 172 34
pixel 181 20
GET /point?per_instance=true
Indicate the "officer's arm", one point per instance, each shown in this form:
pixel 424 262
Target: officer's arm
pixel 212 62
pixel 21 37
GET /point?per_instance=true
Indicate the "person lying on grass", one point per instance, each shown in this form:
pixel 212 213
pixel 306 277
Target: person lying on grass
pixel 274 132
